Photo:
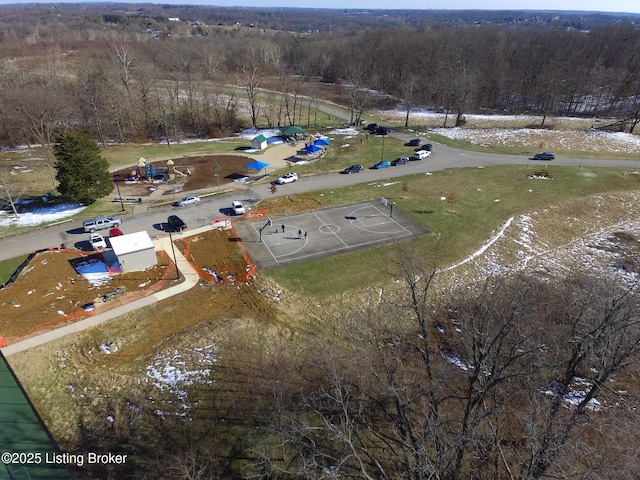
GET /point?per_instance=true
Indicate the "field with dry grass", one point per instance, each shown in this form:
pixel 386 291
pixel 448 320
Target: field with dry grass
pixel 50 292
pixel 202 355
pixel 583 137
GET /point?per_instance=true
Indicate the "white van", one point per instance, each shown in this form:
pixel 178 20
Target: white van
pixel 421 155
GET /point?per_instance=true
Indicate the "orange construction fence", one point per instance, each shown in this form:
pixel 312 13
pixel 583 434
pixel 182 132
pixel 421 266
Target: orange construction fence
pixel 82 314
pixel 256 213
pixel 213 277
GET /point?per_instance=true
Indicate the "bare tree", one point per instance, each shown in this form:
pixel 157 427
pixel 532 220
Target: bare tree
pixel 475 384
pixel 124 62
pixel 249 77
pixel 598 337
pixel 42 115
pixel 9 197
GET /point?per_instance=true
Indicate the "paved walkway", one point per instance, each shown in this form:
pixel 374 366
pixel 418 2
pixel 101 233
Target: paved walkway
pixel 191 278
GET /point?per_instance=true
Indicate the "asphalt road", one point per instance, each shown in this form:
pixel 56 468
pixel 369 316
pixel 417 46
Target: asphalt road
pixel 443 158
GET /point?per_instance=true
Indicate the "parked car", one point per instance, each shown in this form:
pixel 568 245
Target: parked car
pixel 382 164
pixel 421 155
pixel 353 169
pixel 238 207
pixel 97 241
pixel 100 223
pixel 544 156
pixel 176 223
pixel 416 142
pixel 428 147
pixel 114 232
pixel 371 127
pixel 190 200
pixel 287 178
pixel 400 161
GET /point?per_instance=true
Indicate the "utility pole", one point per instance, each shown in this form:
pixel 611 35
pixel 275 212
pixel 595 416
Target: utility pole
pixel 116 177
pixel 175 260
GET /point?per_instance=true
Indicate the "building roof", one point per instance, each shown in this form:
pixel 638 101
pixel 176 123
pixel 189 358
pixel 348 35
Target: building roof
pixel 132 242
pixel 292 130
pixel 260 138
pixel 22 431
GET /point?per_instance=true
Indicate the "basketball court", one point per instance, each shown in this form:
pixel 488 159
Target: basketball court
pixel 277 241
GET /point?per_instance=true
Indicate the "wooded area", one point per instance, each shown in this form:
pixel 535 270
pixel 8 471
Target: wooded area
pixel 121 75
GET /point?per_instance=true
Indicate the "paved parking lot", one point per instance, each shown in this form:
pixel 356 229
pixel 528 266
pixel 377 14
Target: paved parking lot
pixel 300 237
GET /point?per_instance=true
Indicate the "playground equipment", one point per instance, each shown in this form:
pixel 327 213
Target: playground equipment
pixel 146 170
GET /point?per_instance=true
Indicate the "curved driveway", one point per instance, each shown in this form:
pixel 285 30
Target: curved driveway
pixel 211 208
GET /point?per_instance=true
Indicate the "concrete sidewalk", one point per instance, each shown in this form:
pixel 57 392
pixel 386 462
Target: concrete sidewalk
pixel 191 279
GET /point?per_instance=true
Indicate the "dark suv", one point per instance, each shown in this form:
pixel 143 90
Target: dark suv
pixel 353 169
pixel 400 161
pixel 176 223
pixel 544 156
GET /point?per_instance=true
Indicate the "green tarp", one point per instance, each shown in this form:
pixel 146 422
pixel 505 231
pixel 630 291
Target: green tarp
pixel 22 432
pixel 292 130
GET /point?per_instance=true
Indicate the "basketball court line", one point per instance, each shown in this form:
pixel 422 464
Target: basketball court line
pixel 330 229
pixel 315 222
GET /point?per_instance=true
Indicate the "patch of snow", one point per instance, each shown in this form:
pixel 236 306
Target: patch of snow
pixel 251 133
pixel 40 215
pixel 451 358
pixel 532 138
pixel 484 247
pixel 575 395
pixel 172 371
pixel 109 348
pixel 348 132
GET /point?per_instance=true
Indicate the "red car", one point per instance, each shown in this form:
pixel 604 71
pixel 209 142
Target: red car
pixel 115 232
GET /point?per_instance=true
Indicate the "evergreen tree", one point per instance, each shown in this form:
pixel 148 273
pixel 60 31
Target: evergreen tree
pixel 82 172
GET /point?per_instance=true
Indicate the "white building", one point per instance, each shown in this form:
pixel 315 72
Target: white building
pixel 134 251
pixel 259 142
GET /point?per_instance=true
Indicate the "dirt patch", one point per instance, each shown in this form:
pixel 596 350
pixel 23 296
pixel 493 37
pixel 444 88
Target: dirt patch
pixel 191 173
pixel 217 256
pixel 50 292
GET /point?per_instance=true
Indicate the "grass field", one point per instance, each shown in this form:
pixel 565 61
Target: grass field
pixel 461 207
pixel 8 267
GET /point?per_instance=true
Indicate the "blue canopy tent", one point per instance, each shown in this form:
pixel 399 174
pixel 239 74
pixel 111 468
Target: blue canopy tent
pixel 322 142
pixel 312 149
pixel 256 165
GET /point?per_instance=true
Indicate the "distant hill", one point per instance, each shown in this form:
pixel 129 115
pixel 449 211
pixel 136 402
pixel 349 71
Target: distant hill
pixel 309 19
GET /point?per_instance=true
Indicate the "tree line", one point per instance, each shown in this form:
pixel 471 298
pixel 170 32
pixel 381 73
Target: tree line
pixel 123 81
